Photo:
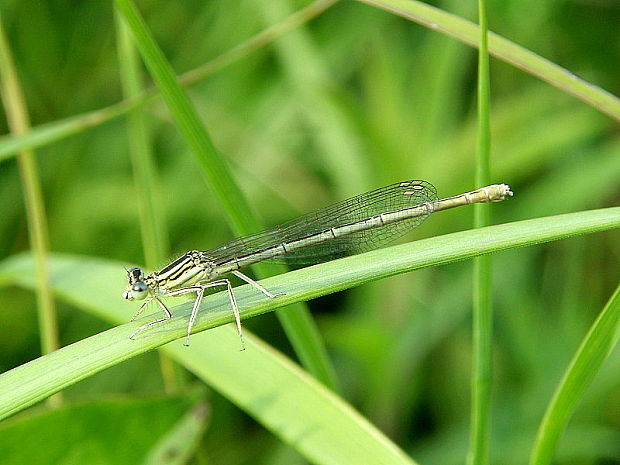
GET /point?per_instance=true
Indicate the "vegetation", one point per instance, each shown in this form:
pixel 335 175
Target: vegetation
pixel 284 107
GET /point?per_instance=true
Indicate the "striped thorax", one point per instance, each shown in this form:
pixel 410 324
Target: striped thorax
pixel 189 268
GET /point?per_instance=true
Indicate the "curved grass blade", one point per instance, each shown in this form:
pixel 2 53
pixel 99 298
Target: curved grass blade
pixel 95 285
pixel 594 350
pixel 298 325
pixel 429 16
pixel 48 133
pixel 505 50
pixel 18 121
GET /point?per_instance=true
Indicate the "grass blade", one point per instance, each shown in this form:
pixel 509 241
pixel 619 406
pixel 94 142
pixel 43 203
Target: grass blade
pixel 19 123
pixel 506 50
pixel 259 380
pixel 299 326
pixel 424 14
pixel 594 350
pixel 482 329
pixel 54 131
pixel 94 284
pixel 152 224
pixel 213 165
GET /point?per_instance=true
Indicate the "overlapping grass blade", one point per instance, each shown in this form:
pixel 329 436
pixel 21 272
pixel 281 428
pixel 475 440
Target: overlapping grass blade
pixel 429 16
pixel 594 350
pixel 298 325
pixel 504 49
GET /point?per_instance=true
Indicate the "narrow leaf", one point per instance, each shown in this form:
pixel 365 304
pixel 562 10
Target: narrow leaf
pixel 587 362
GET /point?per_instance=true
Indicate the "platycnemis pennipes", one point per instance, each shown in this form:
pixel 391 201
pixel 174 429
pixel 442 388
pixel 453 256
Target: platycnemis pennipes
pixel 354 225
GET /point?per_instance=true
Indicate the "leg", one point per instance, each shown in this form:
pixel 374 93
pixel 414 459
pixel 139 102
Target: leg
pixel 152 323
pixel 192 318
pixel 253 283
pixel 141 309
pixel 199 290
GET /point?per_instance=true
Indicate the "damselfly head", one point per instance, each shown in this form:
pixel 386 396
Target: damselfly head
pixel 136 288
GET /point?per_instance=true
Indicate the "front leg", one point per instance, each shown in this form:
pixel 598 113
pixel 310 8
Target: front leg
pixel 143 306
pixel 152 323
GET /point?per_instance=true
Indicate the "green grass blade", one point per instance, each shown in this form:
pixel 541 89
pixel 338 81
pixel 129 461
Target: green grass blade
pixel 185 115
pixel 594 350
pixel 19 123
pixel 424 14
pixel 57 130
pixel 265 384
pixel 48 133
pixel 482 317
pixel 259 380
pixel 506 50
pixel 299 326
pixel 95 284
pixel 152 224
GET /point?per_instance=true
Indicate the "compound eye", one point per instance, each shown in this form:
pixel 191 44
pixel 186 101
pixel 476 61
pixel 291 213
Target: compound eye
pixel 139 290
pixel 139 287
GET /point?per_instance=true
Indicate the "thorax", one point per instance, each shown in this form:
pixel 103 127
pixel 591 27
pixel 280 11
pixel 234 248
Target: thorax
pixel 186 270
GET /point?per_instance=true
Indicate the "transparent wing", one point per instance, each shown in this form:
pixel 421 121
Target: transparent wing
pixel 385 199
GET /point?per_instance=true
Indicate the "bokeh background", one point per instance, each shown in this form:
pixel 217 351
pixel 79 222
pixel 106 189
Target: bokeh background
pixel 354 100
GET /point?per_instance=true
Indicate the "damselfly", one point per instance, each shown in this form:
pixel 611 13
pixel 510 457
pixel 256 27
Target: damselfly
pixel 360 223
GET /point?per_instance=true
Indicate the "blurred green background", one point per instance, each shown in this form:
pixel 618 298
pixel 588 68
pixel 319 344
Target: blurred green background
pixel 356 99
